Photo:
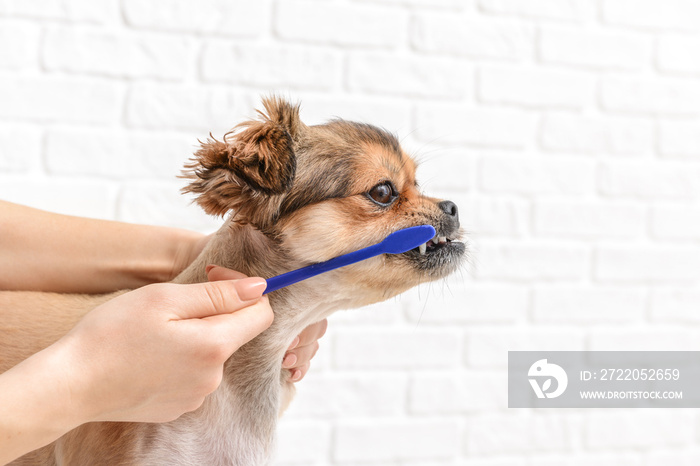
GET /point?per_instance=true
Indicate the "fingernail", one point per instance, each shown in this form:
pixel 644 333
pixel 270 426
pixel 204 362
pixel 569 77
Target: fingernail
pixel 289 361
pixel 208 268
pixel 294 343
pixel 250 288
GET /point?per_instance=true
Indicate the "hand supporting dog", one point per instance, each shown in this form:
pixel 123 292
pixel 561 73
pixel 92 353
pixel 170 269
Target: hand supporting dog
pixel 149 355
pixel 304 347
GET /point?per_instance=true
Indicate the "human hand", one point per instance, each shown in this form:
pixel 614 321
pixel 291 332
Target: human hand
pixel 152 354
pixel 304 347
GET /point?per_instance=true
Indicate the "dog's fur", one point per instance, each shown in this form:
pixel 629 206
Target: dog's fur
pixel 296 195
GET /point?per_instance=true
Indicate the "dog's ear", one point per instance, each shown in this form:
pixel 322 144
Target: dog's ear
pixel 251 169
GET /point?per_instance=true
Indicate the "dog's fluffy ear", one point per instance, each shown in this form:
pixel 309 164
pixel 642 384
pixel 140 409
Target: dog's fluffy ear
pixel 250 170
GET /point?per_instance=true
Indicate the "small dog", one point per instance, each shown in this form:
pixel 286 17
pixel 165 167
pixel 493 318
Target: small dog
pixel 296 195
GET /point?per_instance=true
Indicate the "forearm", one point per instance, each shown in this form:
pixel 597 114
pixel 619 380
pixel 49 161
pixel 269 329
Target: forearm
pixel 37 405
pixel 44 251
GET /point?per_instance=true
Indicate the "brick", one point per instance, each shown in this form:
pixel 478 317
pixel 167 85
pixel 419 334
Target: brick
pixel 391 440
pixel 513 433
pixel 650 96
pixel 675 305
pixel 531 261
pixel 653 181
pixel 594 49
pixel 589 219
pixel 530 175
pixel 487 347
pixel 497 461
pixel 439 393
pixel 638 338
pixel 19 44
pixel 221 17
pixel 475 302
pixel 676 53
pixel 20 148
pixel 408 75
pixel 586 459
pixel 451 34
pixel 650 263
pixel 588 304
pixel 679 138
pixel 354 24
pixel 347 395
pixel 59 99
pixel 447 4
pixel 637 428
pixel 409 349
pixel 160 203
pixel 197 108
pixel 568 10
pixel 391 114
pixel 675 222
pixel 269 65
pixel 444 172
pixel 534 88
pixel 676 457
pixel 117 54
pixel 451 123
pixel 69 196
pixel 117 153
pixel 70 10
pixel 493 216
pixel 571 133
pixel 650 14
pixel 301 441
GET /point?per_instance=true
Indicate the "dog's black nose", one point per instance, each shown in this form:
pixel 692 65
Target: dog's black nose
pixel 450 208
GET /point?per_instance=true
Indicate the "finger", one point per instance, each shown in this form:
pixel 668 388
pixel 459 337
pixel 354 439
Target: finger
pixel 312 333
pixel 300 356
pixel 216 273
pixel 297 374
pixel 238 328
pixel 289 361
pixel 211 298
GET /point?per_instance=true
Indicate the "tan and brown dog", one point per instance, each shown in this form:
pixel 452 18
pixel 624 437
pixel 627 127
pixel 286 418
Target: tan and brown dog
pixel 296 195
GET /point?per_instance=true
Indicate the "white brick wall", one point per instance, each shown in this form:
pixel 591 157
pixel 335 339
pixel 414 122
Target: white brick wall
pixel 568 132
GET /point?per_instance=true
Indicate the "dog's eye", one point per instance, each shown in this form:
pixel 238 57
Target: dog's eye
pixel 383 193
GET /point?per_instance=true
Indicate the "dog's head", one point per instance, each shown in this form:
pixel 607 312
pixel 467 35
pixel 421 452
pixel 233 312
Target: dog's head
pixel 325 190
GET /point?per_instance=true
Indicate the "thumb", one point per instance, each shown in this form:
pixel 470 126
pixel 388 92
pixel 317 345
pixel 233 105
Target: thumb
pixel 236 329
pixel 201 300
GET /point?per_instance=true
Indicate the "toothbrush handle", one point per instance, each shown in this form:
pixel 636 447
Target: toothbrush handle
pixel 289 278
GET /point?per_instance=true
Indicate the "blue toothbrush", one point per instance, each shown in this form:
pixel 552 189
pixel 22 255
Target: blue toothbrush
pixel 396 243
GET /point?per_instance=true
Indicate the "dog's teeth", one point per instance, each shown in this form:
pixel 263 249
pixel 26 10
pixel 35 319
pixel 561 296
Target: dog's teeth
pixel 422 248
pixel 442 239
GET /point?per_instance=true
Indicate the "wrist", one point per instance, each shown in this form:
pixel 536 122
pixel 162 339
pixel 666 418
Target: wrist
pixel 66 384
pixel 40 403
pixel 186 246
pixel 167 252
